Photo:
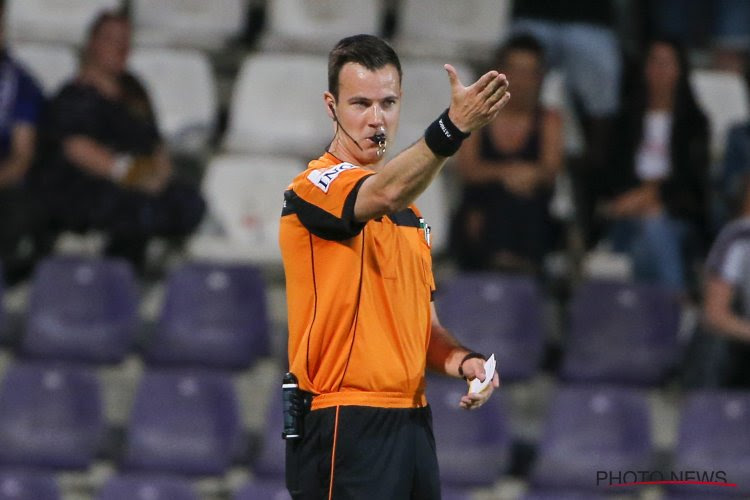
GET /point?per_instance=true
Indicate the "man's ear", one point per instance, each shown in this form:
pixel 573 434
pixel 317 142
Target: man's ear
pixel 330 102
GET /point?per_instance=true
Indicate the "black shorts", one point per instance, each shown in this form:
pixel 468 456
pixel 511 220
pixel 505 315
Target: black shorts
pixel 362 452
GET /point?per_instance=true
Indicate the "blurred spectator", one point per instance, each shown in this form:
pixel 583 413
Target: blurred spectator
pixel 20 104
pixel 721 25
pixel 735 167
pixel 727 285
pixel 580 42
pixel 102 164
pixel 658 171
pixel 508 169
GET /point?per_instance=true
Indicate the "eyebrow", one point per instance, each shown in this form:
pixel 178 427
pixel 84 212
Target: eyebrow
pixel 363 98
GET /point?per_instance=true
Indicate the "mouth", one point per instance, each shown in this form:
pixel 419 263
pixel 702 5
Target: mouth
pixel 379 139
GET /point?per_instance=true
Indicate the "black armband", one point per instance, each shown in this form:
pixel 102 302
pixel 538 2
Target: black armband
pixel 469 356
pixel 443 137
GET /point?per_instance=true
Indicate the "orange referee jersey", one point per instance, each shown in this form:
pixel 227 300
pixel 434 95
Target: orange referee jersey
pixel 358 294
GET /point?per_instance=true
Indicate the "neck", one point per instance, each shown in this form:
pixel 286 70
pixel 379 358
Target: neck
pixel 105 82
pixel 661 100
pixel 345 149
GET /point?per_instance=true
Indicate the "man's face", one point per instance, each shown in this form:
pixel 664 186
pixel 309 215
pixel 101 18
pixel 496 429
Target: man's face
pixel 368 102
pixel 110 46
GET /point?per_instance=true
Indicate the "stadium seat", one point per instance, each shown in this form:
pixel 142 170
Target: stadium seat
pixel 588 428
pixel 262 121
pixel 187 23
pixel 271 490
pixel 173 78
pixel 713 436
pixel 183 422
pixel 50 416
pixel 621 333
pixel 724 98
pixel 317 26
pixel 245 195
pixel 53 21
pixel 473 448
pixel 24 485
pixel 496 313
pixel 470 29
pixel 562 495
pixel 213 315
pixel 81 309
pixel 51 65
pixel 147 488
pixel 270 462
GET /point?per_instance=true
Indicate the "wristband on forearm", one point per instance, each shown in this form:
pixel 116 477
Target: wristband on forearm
pixel 443 137
pixel 469 356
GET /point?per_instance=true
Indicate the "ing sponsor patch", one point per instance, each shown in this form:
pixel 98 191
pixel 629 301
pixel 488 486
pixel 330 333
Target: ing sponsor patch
pixel 322 179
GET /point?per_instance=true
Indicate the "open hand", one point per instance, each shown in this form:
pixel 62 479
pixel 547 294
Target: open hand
pixel 478 104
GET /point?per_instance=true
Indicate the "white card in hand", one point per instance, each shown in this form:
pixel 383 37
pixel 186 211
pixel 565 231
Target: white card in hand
pixel 476 386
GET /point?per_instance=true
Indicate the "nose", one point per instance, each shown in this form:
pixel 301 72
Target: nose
pixel 376 116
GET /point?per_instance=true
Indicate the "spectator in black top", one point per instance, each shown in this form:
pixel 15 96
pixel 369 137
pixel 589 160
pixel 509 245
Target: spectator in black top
pixel 508 171
pixel 103 165
pixel 658 171
pixel 20 103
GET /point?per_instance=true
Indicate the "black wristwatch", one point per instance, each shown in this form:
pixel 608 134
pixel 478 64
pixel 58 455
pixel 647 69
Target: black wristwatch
pixel 469 356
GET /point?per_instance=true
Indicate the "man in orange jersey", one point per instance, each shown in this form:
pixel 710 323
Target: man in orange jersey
pixel 362 325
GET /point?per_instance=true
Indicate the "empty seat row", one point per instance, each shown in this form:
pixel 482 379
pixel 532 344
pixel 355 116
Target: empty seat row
pixel 618 332
pixel 215 315
pixel 473 26
pixel 86 310
pixel 186 423
pixel 33 485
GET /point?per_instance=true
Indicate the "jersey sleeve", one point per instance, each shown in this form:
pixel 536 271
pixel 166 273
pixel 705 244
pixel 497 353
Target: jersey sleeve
pixel 324 198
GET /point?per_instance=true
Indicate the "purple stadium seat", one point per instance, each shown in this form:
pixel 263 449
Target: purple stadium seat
pixel 495 313
pixel 473 447
pixel 81 309
pixel 270 462
pixel 590 428
pixel 183 422
pixel 562 495
pixel 622 333
pixel 147 488
pixel 25 485
pixel 267 490
pixel 213 315
pixel 50 416
pixel 714 435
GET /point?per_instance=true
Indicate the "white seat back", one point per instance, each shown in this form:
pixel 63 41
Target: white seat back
pixel 277 106
pixel 187 23
pixel 245 194
pixel 54 21
pixel 468 28
pixel 723 97
pixel 183 91
pixel 318 25
pixel 51 65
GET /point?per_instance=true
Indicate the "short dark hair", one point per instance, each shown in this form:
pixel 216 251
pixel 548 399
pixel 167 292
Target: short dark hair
pixel 370 51
pixel 523 42
pixel 118 15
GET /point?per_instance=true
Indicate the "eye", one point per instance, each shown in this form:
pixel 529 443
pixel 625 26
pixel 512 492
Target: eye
pixel 389 103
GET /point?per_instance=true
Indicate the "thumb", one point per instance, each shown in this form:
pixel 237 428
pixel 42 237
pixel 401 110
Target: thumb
pixel 453 76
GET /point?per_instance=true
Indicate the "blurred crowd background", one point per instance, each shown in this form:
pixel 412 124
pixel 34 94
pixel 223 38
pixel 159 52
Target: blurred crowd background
pixel 595 237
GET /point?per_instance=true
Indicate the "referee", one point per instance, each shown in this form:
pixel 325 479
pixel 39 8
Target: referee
pixel 356 251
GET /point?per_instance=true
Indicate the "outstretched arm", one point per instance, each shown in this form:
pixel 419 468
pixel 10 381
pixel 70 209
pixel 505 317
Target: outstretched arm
pixel 406 176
